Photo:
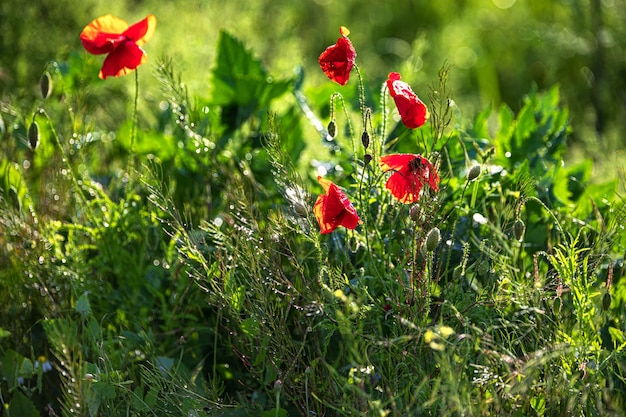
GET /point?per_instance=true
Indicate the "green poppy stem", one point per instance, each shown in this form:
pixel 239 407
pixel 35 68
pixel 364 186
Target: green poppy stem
pixel 133 132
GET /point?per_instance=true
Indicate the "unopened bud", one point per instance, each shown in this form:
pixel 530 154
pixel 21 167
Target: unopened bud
pixel 518 229
pixel 367 158
pixel 473 173
pixel 606 301
pixel 365 139
pixel 432 239
pixel 332 128
pixel 33 135
pixel 414 212
pixel 45 84
pixel 278 384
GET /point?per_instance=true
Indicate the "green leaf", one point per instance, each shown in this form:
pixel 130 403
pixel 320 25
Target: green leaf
pixel 13 185
pixel 239 80
pixel 148 142
pixel 82 306
pixel 250 326
pixel 281 412
pixel 21 406
pixel 9 368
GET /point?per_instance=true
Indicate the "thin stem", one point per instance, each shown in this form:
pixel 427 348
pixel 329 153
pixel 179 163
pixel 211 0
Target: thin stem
pixel 133 132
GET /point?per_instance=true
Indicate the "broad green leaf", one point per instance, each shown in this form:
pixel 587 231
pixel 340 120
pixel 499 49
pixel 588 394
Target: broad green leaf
pixel 13 185
pixel 480 129
pixel 281 412
pixel 240 83
pixel 10 361
pixel 82 306
pixel 21 406
pixel 148 142
pixel 4 333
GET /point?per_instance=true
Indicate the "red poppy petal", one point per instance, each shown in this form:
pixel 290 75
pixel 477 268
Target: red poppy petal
pixel 412 110
pixel 319 209
pixel 349 219
pixel 334 209
pixel 123 60
pixel 404 188
pixel 101 35
pixel 142 31
pixel 396 161
pixel 338 60
pixel 336 202
pixel 324 183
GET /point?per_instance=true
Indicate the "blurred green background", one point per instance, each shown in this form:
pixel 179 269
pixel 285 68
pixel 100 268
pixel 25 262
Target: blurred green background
pixel 499 49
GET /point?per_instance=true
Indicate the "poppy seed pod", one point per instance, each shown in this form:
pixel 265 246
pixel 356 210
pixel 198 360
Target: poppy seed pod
pixel 365 139
pixel 45 84
pixel 33 135
pixel 473 173
pixel 367 158
pixel 518 229
pixel 432 239
pixel 332 128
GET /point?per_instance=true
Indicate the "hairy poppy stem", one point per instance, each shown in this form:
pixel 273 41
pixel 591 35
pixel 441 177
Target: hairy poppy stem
pixel 133 132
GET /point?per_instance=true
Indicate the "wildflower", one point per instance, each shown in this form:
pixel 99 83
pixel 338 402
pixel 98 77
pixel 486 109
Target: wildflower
pixel 338 59
pixel 122 43
pixel 333 209
pixel 46 366
pixel 413 111
pixel 411 173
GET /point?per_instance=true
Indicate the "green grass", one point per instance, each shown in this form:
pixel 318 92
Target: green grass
pixel 183 272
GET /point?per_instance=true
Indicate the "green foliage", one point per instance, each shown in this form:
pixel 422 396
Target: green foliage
pixel 172 264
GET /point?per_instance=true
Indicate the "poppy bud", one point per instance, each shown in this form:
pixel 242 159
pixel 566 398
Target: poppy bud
pixel 365 139
pixel 45 84
pixel 3 129
pixel 33 135
pixel 432 239
pixel 367 158
pixel 606 301
pixel 414 212
pixel 473 173
pixel 518 229
pixel 332 128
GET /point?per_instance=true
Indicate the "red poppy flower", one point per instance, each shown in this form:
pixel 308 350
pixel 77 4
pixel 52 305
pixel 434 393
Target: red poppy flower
pixel 413 111
pixel 411 173
pixel 334 209
pixel 111 35
pixel 338 59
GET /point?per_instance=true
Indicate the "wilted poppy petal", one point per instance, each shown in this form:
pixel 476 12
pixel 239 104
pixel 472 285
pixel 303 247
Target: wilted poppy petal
pixel 412 110
pixel 142 31
pixel 338 60
pixel 102 34
pixel 122 60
